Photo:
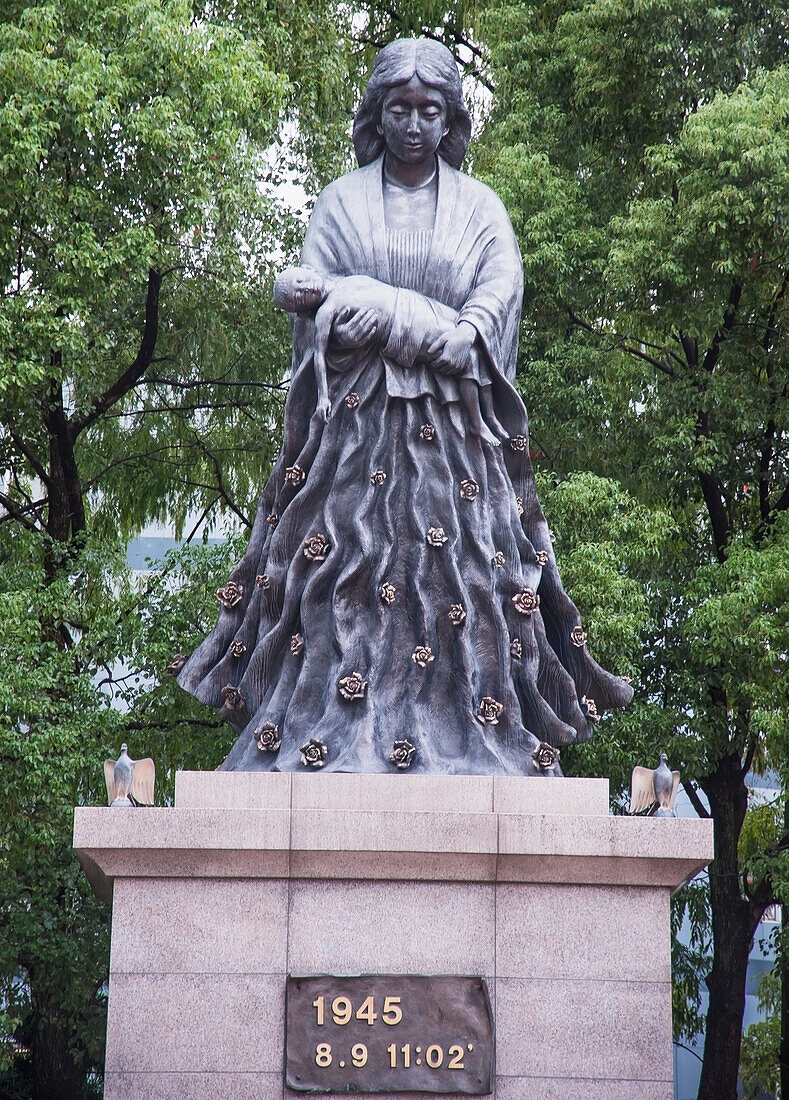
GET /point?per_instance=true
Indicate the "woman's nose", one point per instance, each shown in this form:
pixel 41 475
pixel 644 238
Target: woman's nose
pixel 413 122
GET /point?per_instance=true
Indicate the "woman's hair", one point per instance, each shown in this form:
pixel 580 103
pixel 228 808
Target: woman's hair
pixel 395 65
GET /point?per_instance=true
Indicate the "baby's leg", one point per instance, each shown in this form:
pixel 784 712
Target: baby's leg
pixel 470 395
pixel 324 319
pixel 486 401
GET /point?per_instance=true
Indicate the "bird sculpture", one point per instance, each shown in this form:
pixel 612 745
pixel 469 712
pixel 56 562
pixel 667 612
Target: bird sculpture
pixel 129 782
pixel 656 788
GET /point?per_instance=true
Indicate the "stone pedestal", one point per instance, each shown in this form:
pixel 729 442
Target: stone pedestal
pixel 527 882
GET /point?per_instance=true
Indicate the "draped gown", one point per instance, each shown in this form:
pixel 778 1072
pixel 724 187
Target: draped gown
pixel 400 586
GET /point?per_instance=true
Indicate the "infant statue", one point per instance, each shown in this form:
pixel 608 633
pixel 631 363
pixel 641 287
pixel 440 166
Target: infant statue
pixel 369 306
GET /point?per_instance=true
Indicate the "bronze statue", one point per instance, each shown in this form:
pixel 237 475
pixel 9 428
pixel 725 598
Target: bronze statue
pixel 399 606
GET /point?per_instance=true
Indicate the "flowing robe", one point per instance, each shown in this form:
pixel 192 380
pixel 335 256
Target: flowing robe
pixel 399 583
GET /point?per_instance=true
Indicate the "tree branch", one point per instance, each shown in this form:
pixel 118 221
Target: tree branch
pixel 15 513
pixel 713 496
pixel 622 345
pixel 33 508
pixel 31 457
pixel 758 900
pixel 771 328
pixel 203 516
pixel 220 483
pixel 783 501
pixel 749 755
pixel 139 365
pixel 169 725
pixel 180 384
pixel 664 367
pixel 729 317
pixel 768 451
pixel 689 1050
pixel 694 799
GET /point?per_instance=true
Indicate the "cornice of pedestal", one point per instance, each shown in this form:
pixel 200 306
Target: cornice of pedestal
pixel 377 827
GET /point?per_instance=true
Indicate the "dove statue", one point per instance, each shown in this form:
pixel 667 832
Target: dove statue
pixel 654 788
pixel 129 781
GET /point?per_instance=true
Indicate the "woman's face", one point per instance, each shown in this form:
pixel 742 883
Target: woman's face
pixel 413 121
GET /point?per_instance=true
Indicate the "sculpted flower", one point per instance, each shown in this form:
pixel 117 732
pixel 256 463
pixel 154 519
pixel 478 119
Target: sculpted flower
pixel 267 737
pixel 436 536
pixel 519 505
pixel 456 614
pixel 545 757
pixel 422 656
pixel 402 754
pixel 316 548
pixel 469 490
pixel 378 477
pixel 498 559
pixel 272 519
pixel 352 399
pixel 489 711
pixel 296 644
pixel 516 648
pixel 261 580
pixel 352 686
pixel 387 593
pixel 519 442
pixel 294 475
pixel 578 636
pixel 542 557
pixel 232 698
pixel 237 648
pixel 427 432
pixel 590 708
pixel 314 753
pixel 230 595
pixel 177 662
pixel 526 601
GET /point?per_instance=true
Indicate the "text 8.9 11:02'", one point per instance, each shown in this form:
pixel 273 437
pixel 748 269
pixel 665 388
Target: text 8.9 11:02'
pixel 392 1033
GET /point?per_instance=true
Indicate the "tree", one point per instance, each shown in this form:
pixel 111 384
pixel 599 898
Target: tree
pixel 141 377
pixel 643 153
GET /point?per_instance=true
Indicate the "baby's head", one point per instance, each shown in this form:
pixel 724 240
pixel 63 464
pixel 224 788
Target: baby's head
pixel 300 289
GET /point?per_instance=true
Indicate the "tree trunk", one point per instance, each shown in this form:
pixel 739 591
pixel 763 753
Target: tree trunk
pixel 65 508
pixel 55 1073
pixel 732 929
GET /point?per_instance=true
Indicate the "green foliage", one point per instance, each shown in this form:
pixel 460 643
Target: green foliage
pixel 760 1056
pixel 157 161
pixel 140 147
pixel 63 710
pixel 143 149
pixel 643 152
pixel 691 940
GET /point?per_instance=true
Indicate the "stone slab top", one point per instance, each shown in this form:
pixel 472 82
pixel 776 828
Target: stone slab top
pixel 344 791
pixel 351 827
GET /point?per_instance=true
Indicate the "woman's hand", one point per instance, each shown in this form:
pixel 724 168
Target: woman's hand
pixel 355 327
pixel 450 353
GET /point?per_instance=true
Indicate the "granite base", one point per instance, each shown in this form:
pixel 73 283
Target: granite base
pixel 527 882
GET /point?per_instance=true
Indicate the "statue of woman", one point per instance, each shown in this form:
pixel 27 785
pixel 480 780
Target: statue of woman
pixel 399 605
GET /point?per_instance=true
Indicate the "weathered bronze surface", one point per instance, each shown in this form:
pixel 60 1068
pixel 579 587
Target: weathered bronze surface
pixel 388 1033
pixel 400 551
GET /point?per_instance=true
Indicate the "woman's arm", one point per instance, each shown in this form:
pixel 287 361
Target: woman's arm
pixel 405 323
